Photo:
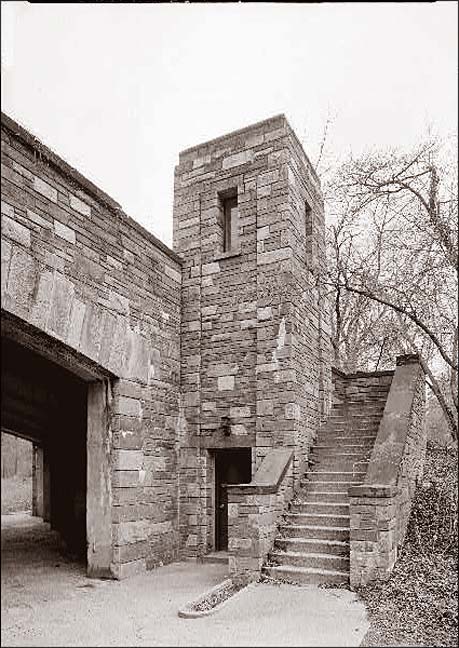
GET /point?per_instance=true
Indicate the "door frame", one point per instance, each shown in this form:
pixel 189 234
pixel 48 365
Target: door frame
pixel 218 454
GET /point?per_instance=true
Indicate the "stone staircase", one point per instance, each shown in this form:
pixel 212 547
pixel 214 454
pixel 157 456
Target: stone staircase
pixel 312 545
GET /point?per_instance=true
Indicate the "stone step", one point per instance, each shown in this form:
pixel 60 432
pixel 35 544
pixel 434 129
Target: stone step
pixel 332 464
pixel 347 429
pixel 330 508
pixel 313 545
pixel 342 449
pixel 325 455
pixel 339 440
pixel 354 419
pixel 314 560
pixel 318 496
pixel 326 487
pixel 374 415
pixel 306 575
pixel 351 427
pixel 314 531
pixel 330 476
pixel 330 451
pixel 320 519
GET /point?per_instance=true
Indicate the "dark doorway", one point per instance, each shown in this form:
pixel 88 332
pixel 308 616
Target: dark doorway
pixel 59 400
pixel 233 466
pixel 47 404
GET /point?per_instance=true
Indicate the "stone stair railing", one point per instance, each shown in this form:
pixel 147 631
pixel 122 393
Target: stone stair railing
pixel 380 506
pixel 312 544
pixel 254 511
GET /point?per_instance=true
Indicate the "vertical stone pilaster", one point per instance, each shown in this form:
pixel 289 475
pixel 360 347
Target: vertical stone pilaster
pixel 37 481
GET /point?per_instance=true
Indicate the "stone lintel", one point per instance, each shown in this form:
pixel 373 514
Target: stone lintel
pixel 212 442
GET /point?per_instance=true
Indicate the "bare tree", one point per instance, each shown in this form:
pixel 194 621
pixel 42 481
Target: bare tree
pixel 394 263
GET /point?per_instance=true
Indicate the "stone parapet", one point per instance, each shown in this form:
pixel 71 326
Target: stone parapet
pixel 254 511
pixel 380 507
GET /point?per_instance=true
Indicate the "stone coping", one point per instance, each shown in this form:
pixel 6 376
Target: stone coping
pixel 269 475
pixel 388 450
pixel 363 374
pixel 280 118
pixel 68 171
pixel 407 358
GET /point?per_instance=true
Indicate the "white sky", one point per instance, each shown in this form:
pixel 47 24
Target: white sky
pixel 118 90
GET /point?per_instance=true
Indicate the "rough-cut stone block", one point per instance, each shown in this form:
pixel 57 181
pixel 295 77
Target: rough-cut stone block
pixel 7 209
pixel 91 331
pixel 263 233
pixel 39 220
pixel 292 411
pixel 79 206
pixel 21 280
pixel 41 306
pixel 240 412
pixel 127 459
pixel 238 158
pixel 265 313
pixel 64 231
pixel 225 383
pixel 265 407
pixel 61 304
pixel 126 478
pixel 129 569
pixel 13 230
pixel 274 256
pixel 264 191
pixel 6 256
pixel 45 189
pixel 210 268
pixel 173 274
pixel 136 364
pixel 76 323
pixel 129 406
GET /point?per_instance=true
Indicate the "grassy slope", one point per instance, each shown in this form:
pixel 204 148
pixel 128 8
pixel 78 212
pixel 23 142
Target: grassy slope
pixel 418 606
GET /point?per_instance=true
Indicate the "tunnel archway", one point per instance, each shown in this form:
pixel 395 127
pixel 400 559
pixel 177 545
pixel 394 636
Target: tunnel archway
pixel 59 402
pixel 47 404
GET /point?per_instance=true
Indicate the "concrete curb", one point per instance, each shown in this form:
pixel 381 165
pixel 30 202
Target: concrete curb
pixel 187 611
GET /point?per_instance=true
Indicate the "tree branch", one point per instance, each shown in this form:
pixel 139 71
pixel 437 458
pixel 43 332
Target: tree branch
pixel 412 316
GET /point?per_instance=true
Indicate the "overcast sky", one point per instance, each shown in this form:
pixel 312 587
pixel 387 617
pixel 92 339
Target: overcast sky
pixel 118 90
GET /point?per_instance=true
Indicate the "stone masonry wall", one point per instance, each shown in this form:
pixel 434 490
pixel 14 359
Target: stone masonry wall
pixel 252 337
pixel 362 396
pixel 254 512
pixel 75 267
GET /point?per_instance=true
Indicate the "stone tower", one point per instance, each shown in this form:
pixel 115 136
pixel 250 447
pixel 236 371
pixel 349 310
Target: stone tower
pixel 255 359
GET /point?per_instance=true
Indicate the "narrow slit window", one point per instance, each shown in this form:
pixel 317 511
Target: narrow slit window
pixel 230 223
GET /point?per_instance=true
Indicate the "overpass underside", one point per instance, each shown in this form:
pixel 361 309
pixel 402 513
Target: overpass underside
pixel 56 404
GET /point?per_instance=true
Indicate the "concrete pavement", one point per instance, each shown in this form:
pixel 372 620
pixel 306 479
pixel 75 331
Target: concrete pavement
pixel 47 600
